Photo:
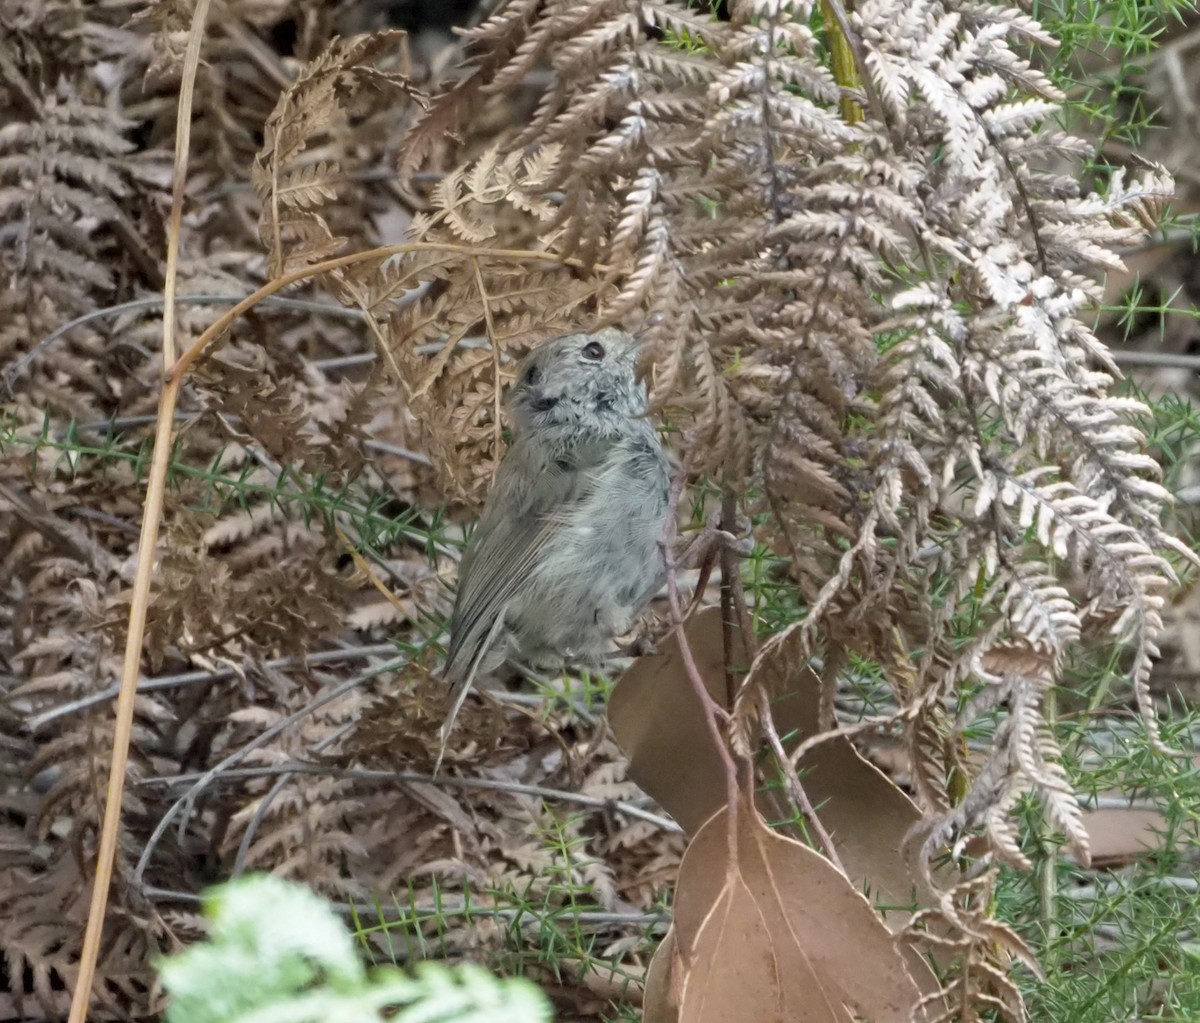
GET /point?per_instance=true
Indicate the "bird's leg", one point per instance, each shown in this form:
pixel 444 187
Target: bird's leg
pixel 528 673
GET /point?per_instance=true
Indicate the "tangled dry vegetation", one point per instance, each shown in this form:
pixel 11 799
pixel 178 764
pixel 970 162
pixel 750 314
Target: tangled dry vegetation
pixel 857 246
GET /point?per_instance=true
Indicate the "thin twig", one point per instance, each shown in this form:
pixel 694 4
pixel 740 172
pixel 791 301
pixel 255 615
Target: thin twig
pixel 361 564
pixel 846 731
pixel 264 804
pixel 728 512
pixel 796 789
pixel 733 598
pixel 456 907
pixel 207 676
pixel 397 452
pixel 188 678
pixel 1167 360
pixel 129 422
pixel 709 707
pixel 227 319
pixel 156 302
pixel 18 366
pixel 148 541
pixel 412 777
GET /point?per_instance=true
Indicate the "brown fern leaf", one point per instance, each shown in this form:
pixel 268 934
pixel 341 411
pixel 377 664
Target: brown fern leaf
pixel 308 112
pixel 889 312
pixel 61 184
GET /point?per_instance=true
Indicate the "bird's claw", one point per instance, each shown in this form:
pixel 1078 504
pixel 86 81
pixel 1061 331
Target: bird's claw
pixel 713 538
pixel 639 646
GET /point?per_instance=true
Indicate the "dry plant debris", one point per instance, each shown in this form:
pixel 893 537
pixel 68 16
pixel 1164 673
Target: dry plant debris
pixel 865 291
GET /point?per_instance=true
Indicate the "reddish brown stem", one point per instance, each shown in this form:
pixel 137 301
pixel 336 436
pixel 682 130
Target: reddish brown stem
pixel 713 712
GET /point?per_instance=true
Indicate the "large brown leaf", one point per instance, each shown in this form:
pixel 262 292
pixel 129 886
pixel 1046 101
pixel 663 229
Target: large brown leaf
pixel 768 930
pixel 867 816
pixel 658 722
pixel 660 1003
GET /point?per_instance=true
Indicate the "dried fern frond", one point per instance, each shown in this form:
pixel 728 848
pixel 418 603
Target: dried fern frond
pixel 878 323
pixel 864 292
pixel 61 182
pixel 292 186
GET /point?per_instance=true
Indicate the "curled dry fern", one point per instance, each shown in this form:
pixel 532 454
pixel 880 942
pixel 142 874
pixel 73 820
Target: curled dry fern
pixel 878 323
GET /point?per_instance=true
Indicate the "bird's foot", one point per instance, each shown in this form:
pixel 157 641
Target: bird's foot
pixel 706 545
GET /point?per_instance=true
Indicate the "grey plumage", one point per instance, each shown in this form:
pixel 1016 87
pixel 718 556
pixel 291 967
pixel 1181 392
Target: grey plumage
pixel 567 550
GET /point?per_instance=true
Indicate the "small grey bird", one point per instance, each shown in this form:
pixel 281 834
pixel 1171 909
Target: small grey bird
pixel 567 550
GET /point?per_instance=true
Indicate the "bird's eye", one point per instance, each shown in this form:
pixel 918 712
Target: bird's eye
pixel 532 375
pixel 593 351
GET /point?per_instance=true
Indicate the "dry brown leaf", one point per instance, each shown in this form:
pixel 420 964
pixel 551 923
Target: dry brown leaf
pixel 864 812
pixel 775 932
pixel 658 722
pixel 1119 835
pixel 660 1003
pixel 655 719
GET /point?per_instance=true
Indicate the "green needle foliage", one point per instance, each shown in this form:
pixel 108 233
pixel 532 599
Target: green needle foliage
pixel 1100 62
pixel 1117 944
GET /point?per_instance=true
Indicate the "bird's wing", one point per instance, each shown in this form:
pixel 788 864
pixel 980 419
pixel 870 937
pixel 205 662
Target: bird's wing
pixel 497 563
pixel 500 565
pixel 530 501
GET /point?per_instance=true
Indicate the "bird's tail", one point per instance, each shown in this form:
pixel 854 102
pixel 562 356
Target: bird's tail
pixel 460 684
